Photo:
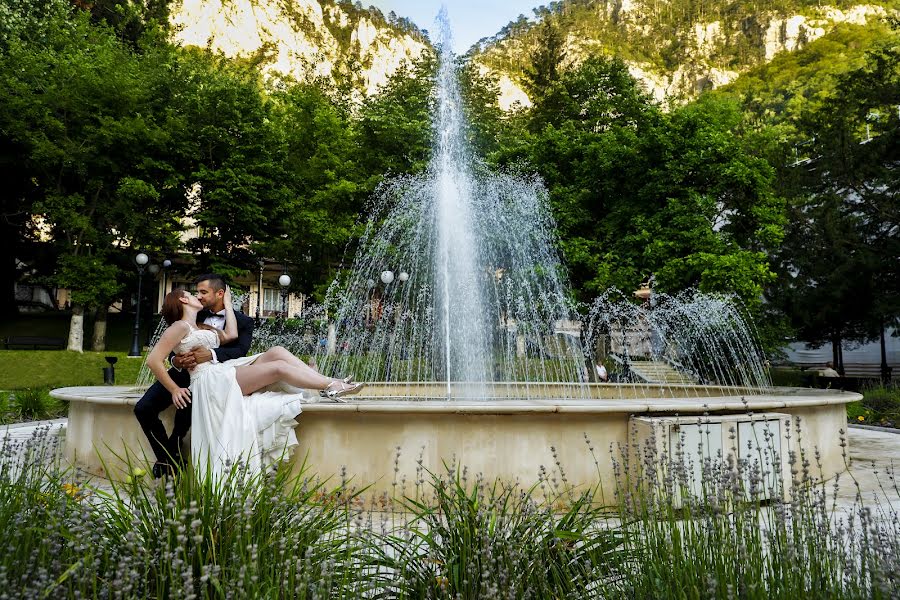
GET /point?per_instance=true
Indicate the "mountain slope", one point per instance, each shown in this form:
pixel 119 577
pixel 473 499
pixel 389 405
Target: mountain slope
pixel 678 48
pixel 303 39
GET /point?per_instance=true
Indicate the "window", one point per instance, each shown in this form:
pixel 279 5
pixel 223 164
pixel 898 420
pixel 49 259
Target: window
pixel 271 300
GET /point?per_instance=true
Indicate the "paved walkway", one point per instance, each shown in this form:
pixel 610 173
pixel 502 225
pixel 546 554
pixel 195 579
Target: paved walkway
pixel 875 466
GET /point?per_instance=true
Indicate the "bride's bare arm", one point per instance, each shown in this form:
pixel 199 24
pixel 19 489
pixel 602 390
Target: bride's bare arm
pixel 156 361
pixel 230 332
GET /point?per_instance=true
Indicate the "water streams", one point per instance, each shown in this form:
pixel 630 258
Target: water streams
pixel 475 272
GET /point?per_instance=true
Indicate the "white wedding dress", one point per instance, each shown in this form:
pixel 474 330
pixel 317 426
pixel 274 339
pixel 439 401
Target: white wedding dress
pixel 226 426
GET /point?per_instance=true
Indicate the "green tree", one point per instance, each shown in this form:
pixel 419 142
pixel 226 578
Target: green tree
pixel 546 60
pixel 637 192
pixel 839 269
pixel 234 157
pixel 484 118
pixel 313 225
pixel 826 285
pixel 394 129
pixel 81 108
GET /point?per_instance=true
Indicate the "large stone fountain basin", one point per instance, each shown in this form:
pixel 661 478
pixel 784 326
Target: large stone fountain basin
pixel 382 439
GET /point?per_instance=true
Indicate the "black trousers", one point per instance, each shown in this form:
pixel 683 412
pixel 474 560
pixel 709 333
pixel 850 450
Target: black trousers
pixel 156 399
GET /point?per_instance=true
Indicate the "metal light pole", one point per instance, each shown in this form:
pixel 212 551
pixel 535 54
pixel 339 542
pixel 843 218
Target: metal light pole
pixel 140 261
pixel 166 264
pixel 262 265
pixel 153 269
pixel 284 281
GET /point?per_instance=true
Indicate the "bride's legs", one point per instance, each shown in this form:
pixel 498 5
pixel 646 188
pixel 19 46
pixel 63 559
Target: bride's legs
pixel 279 353
pixel 262 373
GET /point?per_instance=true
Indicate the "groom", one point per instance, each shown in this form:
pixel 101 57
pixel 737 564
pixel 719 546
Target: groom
pixel 167 448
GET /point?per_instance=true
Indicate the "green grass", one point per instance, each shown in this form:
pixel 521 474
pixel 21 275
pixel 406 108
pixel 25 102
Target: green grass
pixel 21 369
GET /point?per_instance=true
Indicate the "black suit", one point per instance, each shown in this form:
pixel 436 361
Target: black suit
pixel 157 398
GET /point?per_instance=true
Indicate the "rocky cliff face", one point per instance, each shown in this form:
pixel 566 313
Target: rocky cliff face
pixel 304 39
pixel 675 63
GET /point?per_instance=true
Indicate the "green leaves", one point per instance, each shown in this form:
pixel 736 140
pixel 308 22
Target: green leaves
pixel 90 279
pixel 638 192
pixel 838 270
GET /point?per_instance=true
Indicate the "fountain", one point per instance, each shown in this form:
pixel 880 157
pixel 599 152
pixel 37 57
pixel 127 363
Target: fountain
pixel 456 308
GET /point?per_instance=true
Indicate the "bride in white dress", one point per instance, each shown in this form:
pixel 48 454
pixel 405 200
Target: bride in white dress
pixel 232 419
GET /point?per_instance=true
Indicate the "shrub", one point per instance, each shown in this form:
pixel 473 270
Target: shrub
pixel 858 413
pixel 35 404
pixel 276 535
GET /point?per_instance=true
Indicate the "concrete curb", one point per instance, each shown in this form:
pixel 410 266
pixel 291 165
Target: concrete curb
pixel 35 424
pixel 874 428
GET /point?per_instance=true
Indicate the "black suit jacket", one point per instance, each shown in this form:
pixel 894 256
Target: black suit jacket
pixel 238 347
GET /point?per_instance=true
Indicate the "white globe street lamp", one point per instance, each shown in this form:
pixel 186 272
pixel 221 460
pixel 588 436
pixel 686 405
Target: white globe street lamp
pixel 387 277
pixel 284 280
pixel 403 276
pixel 140 260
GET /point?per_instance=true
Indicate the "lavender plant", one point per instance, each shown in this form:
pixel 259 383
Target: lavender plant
pixel 469 538
pixel 739 537
pixel 733 533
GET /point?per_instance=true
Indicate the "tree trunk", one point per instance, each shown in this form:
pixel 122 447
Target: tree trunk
pixel 98 344
pixel 835 351
pixel 837 354
pixel 76 329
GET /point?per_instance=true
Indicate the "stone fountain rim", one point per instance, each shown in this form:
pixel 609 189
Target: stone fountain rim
pixel 773 399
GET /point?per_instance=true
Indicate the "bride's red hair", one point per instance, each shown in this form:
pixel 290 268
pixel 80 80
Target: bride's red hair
pixel 172 308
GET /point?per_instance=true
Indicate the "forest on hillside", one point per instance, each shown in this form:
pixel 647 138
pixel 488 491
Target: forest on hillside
pixel 727 34
pixel 781 189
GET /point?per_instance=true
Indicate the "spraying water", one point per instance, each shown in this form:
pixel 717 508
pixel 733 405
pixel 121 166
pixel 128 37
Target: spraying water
pixel 457 277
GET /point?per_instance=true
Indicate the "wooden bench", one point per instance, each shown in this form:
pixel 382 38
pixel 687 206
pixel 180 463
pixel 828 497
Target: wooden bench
pixel 28 342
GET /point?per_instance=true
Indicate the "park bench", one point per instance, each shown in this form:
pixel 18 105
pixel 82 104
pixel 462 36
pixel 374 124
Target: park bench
pixel 28 342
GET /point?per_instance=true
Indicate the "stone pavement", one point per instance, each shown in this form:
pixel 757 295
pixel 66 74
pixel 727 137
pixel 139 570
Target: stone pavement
pixel 875 466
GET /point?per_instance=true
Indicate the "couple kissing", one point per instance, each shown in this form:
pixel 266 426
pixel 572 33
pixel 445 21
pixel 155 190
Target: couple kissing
pixel 226 396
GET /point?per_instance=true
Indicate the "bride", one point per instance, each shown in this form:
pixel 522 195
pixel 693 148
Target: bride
pixel 233 420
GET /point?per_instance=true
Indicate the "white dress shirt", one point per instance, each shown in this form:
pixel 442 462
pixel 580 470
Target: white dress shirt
pixel 216 320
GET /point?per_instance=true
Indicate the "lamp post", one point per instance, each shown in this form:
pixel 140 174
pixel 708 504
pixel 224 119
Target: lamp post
pixel 165 265
pixel 153 269
pixel 262 265
pixel 140 261
pixel 284 281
